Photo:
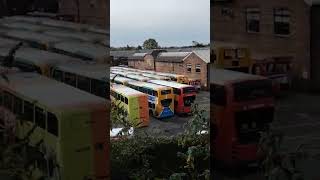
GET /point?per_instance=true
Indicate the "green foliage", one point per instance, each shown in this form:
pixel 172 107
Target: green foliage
pixel 150 44
pixel 279 164
pixel 147 157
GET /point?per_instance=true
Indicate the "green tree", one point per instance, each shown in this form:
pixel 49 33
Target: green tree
pixel 150 44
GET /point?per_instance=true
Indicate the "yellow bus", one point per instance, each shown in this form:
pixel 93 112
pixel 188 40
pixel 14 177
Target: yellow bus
pixel 90 77
pixel 134 102
pixel 160 98
pixel 231 56
pixel 183 79
pixel 68 128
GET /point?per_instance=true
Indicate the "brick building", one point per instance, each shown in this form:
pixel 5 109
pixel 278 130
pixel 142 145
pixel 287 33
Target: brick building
pixel 94 12
pixel 271 29
pixel 194 63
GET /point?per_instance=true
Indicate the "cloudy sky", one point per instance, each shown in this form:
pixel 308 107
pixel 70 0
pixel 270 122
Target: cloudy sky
pixel 170 22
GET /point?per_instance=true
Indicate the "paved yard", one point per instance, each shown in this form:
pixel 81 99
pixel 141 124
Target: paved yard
pixel 174 125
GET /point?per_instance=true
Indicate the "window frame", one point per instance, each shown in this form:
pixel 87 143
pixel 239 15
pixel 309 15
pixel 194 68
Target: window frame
pixel 189 68
pixel 198 67
pixel 285 15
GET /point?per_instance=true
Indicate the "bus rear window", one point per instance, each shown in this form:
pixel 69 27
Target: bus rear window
pixel 165 92
pixel 251 90
pixel 189 90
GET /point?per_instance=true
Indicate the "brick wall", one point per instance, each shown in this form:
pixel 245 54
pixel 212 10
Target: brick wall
pixel 176 68
pixel 233 29
pixel 95 12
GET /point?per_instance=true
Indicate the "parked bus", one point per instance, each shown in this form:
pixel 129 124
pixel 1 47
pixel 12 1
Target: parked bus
pixel 160 98
pixel 196 83
pixel 175 77
pixel 242 106
pixel 137 77
pixel 34 60
pixel 156 77
pixel 231 56
pixel 184 95
pixel 134 102
pixel 69 127
pixel 278 70
pixel 121 80
pixel 92 78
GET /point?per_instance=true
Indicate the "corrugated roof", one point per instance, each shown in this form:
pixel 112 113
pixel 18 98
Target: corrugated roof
pixel 32 36
pixel 172 56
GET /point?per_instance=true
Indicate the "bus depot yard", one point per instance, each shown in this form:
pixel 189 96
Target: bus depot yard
pixel 165 117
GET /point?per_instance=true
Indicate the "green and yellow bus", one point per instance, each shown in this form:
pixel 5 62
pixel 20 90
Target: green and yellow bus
pixel 231 56
pixel 134 102
pixel 68 128
pixel 160 98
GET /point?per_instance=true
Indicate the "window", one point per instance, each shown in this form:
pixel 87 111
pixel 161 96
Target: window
pixel 218 96
pixel 53 124
pixel 99 88
pixel 7 100
pixel 70 79
pixel 84 83
pixel 17 106
pixel 189 67
pixel 253 19
pixel 28 111
pixel 165 92
pixel 126 100
pixel 281 21
pixel 176 91
pixel 198 68
pixel 58 75
pixel 40 118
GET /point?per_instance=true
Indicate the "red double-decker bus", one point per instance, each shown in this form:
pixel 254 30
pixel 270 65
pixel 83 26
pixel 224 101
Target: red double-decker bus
pixel 184 95
pixel 242 106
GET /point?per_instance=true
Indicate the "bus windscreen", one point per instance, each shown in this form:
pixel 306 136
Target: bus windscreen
pixel 189 90
pixel 250 90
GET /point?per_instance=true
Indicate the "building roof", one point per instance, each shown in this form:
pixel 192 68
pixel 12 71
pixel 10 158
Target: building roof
pixel 172 56
pixel 203 54
pixel 50 93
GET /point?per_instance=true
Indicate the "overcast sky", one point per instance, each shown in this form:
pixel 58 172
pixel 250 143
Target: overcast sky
pixel 170 22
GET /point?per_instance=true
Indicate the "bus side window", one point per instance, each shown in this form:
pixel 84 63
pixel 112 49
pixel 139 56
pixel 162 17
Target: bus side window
pixel 99 88
pixel 58 75
pixel 176 91
pixel 40 118
pixel 83 83
pixel 218 95
pixel 126 100
pixel 70 79
pixel 17 106
pixel 53 127
pixel 7 100
pixel 28 111
pixel 155 93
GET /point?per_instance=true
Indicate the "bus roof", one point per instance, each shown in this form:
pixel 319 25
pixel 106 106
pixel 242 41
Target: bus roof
pixel 83 49
pixel 39 57
pixel 121 79
pixel 4 42
pixel 148 85
pixel 77 35
pixel 154 76
pixel 50 93
pixel 94 71
pixel 222 76
pixel 137 77
pixel 169 83
pixel 126 90
pixel 168 74
pixel 32 36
